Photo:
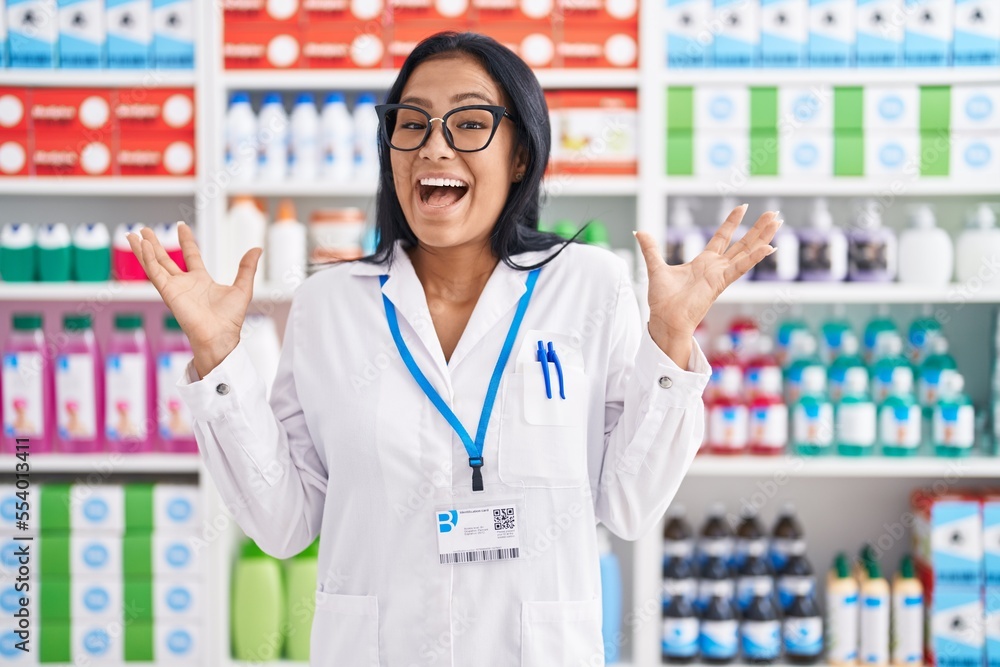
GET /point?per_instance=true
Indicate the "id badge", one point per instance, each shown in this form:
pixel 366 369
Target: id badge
pixel 479 533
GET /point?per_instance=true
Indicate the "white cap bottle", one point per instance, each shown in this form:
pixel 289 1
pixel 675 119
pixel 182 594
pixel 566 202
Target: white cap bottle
pixel 978 245
pixel 272 138
pixel 304 139
pixel 286 248
pixel 926 252
pixel 337 129
pixel 366 163
pixel 241 139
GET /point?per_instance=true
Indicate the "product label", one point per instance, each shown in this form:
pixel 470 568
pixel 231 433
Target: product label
pixel 686 588
pixel 174 415
pixel 797 379
pixel 875 617
pixel 761 640
pixel 782 549
pixel 899 425
pixel 748 587
pixel 719 639
pixel 803 636
pixel 761 378
pixel 813 424
pixel 709 588
pixel 842 626
pixel 784 32
pixel 908 629
pixel 790 587
pixel 882 381
pixel 856 424
pixel 22 395
pixel 928 386
pixel 954 425
pixel 76 415
pixel 728 426
pixel 721 547
pixel 723 376
pixel 125 411
pixel 769 426
pixel 880 32
pixel 839 379
pixel 685 21
pixel 678 548
pixel 680 637
pixel 868 254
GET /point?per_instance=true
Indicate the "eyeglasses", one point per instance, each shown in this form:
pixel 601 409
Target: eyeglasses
pixel 466 129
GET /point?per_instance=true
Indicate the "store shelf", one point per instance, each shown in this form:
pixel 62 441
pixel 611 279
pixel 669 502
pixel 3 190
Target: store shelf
pixel 97 292
pixel 854 293
pixel 85 78
pixel 760 186
pixel 82 186
pixel 575 185
pixel 383 79
pixel 849 76
pixel 112 464
pixel 764 467
pixel 315 189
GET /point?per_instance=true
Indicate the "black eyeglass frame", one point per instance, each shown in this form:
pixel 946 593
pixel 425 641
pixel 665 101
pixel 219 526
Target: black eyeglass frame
pixel 499 112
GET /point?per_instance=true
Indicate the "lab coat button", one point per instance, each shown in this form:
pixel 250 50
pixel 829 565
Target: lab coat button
pixel 666 382
pixel 222 389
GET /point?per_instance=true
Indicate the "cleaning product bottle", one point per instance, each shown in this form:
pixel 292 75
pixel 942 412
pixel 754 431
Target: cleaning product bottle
pixel 977 245
pixel 787 537
pixel 802 631
pixel 874 636
pixel 272 139
pixel 926 253
pixel 728 419
pixel 258 605
pixel 125 265
pixel 366 163
pixel 338 139
pixel 805 363
pixel 716 537
pixel 678 537
pixel 866 556
pixel 173 415
pixel 848 363
pixel 783 263
pixel 750 536
pixel 18 253
pixel 130 405
pixel 91 252
pixel 763 363
pixel 596 233
pixel 872 249
pixel 167 234
pixel 755 578
pixel 745 333
pixel 241 139
pixel 679 579
pixel 954 420
pixel 833 332
pixel 760 631
pixel 788 329
pixel 888 357
pixel 856 417
pixel 796 576
pixel 714 580
pixel 680 631
pixel 932 371
pixel 907 617
pixel 823 247
pixel 718 636
pixel 879 326
pixel 611 595
pixel 813 418
pixel 842 611
pixel 300 601
pixel 54 252
pixel 286 248
pixel 303 142
pixel 899 417
pixel 79 389
pixel 727 372
pixel 684 240
pixel 921 332
pixel 767 418
pixel 27 387
pixel 244 227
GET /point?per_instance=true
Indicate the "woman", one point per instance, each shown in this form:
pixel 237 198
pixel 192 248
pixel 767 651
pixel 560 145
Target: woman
pixel 454 538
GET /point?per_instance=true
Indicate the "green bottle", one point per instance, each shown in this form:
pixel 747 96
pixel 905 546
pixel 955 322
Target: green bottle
pixel 804 361
pixel 597 234
pixel 300 573
pixel 857 420
pixel 922 331
pixel 812 416
pixel 832 335
pixel 929 379
pixel 848 362
pixel 888 357
pixel 787 330
pixel 258 606
pixel 954 421
pixel 880 325
pixel 565 228
pixel 899 417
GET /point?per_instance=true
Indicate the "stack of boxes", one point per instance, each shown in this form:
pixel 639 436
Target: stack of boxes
pixel 593 132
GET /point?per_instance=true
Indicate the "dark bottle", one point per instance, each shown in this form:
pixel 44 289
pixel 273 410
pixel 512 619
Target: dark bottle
pixel 754 574
pixel 760 632
pixel 786 537
pixel 716 537
pixel 715 579
pixel 802 631
pixel 678 537
pixel 678 579
pixel 680 631
pixel 798 574
pixel 719 637
pixel 750 536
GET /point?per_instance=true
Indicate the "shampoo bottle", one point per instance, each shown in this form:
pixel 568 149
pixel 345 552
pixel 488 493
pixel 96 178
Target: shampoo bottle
pixel 300 601
pixel 874 638
pixel 842 611
pixel 907 617
pixel 977 245
pixel 823 247
pixel 258 605
pixel 899 418
pixel 954 420
pixel 926 253
pixel 872 249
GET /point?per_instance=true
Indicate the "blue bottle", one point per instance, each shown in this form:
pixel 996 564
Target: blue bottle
pixel 754 575
pixel 760 632
pixel 715 581
pixel 611 595
pixel 678 579
pixel 802 631
pixel 719 638
pixel 680 631
pixel 796 575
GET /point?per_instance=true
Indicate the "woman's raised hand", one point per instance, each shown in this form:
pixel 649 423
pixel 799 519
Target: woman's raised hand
pixel 210 314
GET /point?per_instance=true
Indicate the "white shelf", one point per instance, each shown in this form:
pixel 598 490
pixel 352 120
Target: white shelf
pixel 109 463
pixel 843 466
pixel 302 189
pixel 765 186
pixel 853 293
pixel 847 76
pixel 383 79
pixel 575 185
pixel 88 78
pixel 113 291
pixel 78 186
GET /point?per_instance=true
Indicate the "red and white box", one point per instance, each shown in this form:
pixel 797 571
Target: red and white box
pixel 595 132
pixel 138 110
pixel 261 45
pixel 450 14
pixel 82 111
pixel 14 153
pixel 597 12
pixel 535 44
pixel 598 46
pixel 70 154
pixel 155 154
pixel 14 109
pixel 362 12
pixel 406 36
pixel 533 14
pixel 331 46
pixel 276 12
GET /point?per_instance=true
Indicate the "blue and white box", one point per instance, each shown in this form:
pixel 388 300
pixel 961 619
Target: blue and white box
pixel 892 152
pixel 177 598
pixel 957 637
pixel 722 154
pixel 97 508
pixel 784 33
pixel 975 157
pixel 32 31
pixel 94 554
pixel 175 555
pixel 81 34
pixel 3 33
pixel 881 29
pixel 975 107
pixel 130 34
pixel 948 539
pixel 991 539
pixel 177 643
pixel 832 32
pixel 721 107
pixel 892 107
pixel 689 34
pixel 805 108
pixel 173 34
pixel 176 507
pixel 806 155
pixel 737 40
pixel 98 641
pixel 930 30
pixel 977 33
pixel 992 626
pixel 95 597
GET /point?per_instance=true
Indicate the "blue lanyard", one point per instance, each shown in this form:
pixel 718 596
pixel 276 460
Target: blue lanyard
pixel 474 448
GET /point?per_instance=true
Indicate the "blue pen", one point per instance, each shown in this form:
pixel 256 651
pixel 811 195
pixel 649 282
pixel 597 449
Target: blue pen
pixel 555 359
pixel 544 359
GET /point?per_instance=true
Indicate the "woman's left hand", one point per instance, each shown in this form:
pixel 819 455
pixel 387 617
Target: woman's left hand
pixel 680 296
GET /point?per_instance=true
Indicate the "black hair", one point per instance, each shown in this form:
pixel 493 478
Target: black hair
pixel 516 229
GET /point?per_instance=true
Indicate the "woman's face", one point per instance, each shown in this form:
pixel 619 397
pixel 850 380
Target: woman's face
pixel 445 216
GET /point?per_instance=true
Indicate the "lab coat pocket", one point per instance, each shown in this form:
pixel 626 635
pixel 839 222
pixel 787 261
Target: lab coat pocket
pixel 345 630
pixel 561 633
pixel 543 441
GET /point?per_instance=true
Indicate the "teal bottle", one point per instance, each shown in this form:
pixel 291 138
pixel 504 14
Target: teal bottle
pixel 899 418
pixel 804 362
pixel 856 418
pixel 954 420
pixel 888 357
pixel 848 362
pixel 921 332
pixel 832 335
pixel 787 330
pixel 812 418
pixel 929 379
pixel 879 326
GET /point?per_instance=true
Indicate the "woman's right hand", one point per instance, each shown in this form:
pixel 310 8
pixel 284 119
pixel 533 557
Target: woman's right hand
pixel 210 314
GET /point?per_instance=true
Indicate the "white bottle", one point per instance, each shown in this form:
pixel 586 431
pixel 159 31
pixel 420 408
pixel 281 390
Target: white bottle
pixel 244 227
pixel 926 252
pixel 978 245
pixel 305 152
pixel 241 139
pixel 366 139
pixel 286 248
pixel 823 249
pixel 783 263
pixel 272 137
pixel 337 139
pixel 684 240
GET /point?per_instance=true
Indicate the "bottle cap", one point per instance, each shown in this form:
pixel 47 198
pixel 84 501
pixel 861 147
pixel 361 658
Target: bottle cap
pixel 170 323
pixel 366 98
pixel 870 216
pixel 286 212
pixel 952 383
pixel 787 510
pixel 922 217
pixel 906 569
pixel 874 569
pixel 76 322
pixel 984 217
pixel 676 510
pixel 305 98
pixel 53 235
pixel 239 97
pixel 856 381
pixel 273 98
pixel 761 587
pixel 803 344
pixel 939 345
pixel 335 97
pixel 841 566
pixel 716 510
pixel 888 344
pixel 597 233
pixel 249 549
pixel 128 321
pixel 867 553
pixel 821 216
pixel 27 321
pixel 813 380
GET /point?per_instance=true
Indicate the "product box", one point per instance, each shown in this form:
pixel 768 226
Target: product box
pixel 892 107
pixel 360 13
pixel 177 507
pixel 4 56
pixel 955 626
pixel 405 38
pixel 261 45
pixel 880 31
pixel 832 33
pixel 597 46
pixel 805 107
pixel 806 155
pixel 14 152
pixel 275 12
pixel 689 40
pixel 975 156
pixel 69 154
pixel 14 105
pixel 991 539
pixel 595 132
pixel 929 32
pixel 97 507
pixel 531 14
pixel 535 44
pixel 84 112
pixel 449 14
pixel 155 155
pixel 977 33
pixel 177 643
pixel 174 555
pixel 130 33
pixel 154 111
pixel 721 107
pixel 178 598
pixel 82 34
pixel 722 154
pixel 597 12
pixel 328 46
pixel 92 555
pixel 992 599
pixel 784 33
pixel 93 598
pixel 97 641
pixel 975 107
pixel 948 537
pixel 32 33
pixel 173 34
pixel 737 34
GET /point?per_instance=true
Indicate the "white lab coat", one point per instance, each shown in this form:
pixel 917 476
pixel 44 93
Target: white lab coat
pixel 350 448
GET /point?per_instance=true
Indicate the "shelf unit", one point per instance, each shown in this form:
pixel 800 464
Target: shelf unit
pixel 82 186
pixel 765 186
pixel 117 464
pixel 845 76
pixel 843 467
pixel 382 79
pixel 64 78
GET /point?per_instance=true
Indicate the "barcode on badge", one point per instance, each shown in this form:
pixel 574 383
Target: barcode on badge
pixel 480 556
pixel 503 518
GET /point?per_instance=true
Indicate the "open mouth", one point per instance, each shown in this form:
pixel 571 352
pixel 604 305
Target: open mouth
pixel 441 192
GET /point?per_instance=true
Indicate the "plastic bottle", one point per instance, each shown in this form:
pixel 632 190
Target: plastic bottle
pixel 833 332
pixel 866 556
pixel 763 363
pixel 166 234
pixel 842 611
pixel 787 537
pixel 27 386
pixel 366 165
pixel 679 579
pixel 54 252
pixel 272 138
pixel 768 418
pixel 596 233
pixel 787 330
pixel 304 142
pixel 922 331
pixel 91 252
pixel 79 389
pixel 680 631
pixel 798 572
pixel 783 263
pixel 878 327
pixel 716 537
pixel 802 630
pixel 857 418
pixel 805 364
pixel 728 420
pixel 611 595
pixel 715 580
pixel 286 248
pixel 977 245
pixel 300 601
pixel 678 537
pixel 750 537
pixel 718 636
pixel 125 265
pixel 926 253
pixel 755 578
pixel 241 139
pixel 760 631
pixel 727 372
pixel 872 250
pixel 684 240
pixel 338 139
pixel 848 364
pixel 244 227
pixel 888 357
pixel 813 418
pixel 907 617
pixel 173 415
pixel 954 420
pixel 745 333
pixel 258 605
pixel 874 636
pixel 130 405
pixel 899 417
pixel 18 253
pixel 823 247
pixel 931 373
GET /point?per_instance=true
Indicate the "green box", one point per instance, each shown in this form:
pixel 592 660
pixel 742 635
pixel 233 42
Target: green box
pixel 53 507
pixel 680 153
pixel 138 507
pixel 848 108
pixel 54 599
pixel 680 108
pixel 848 153
pixel 138 598
pixel 139 643
pixel 935 153
pixel 764 146
pixel 54 642
pixel 137 554
pixel 763 108
pixel 935 108
pixel 53 554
